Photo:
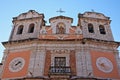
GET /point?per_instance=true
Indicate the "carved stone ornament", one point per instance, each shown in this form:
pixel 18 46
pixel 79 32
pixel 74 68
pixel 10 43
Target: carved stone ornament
pixel 104 64
pixel 61 51
pixel 16 64
pixel 43 30
pixel 78 30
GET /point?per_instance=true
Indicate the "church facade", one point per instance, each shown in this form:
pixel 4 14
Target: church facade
pixel 60 51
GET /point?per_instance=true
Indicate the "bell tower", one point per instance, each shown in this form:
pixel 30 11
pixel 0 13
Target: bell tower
pixel 26 25
pixel 95 25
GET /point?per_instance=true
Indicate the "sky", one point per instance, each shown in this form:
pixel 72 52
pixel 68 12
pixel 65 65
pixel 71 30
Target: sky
pixel 12 8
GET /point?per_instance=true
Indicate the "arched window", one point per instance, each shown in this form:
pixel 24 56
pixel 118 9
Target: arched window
pixel 20 29
pixel 90 28
pixel 102 29
pixel 60 29
pixel 31 28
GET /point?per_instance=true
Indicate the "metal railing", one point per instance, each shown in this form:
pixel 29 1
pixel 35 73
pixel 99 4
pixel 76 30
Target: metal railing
pixel 60 70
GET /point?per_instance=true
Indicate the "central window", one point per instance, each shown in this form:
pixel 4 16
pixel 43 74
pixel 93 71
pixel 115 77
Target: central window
pixel 60 61
pixel 60 66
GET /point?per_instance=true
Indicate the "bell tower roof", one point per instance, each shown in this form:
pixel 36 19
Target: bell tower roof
pixel 28 15
pixel 93 15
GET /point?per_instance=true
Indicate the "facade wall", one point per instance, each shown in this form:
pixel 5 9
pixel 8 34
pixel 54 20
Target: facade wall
pixel 83 62
pixel 47 63
pixel 73 62
pixel 78 56
pixel 110 69
pixel 37 60
pixel 10 70
pixel 81 49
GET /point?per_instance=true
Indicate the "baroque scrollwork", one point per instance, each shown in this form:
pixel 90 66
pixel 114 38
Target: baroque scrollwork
pixel 60 51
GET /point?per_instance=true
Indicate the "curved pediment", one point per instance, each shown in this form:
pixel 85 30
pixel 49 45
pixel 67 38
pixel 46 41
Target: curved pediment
pixel 95 15
pixel 29 14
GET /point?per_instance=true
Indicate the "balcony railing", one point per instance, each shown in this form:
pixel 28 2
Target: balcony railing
pixel 60 70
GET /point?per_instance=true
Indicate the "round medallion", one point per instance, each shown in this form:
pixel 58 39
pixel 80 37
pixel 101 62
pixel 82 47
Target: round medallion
pixel 16 64
pixel 104 64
